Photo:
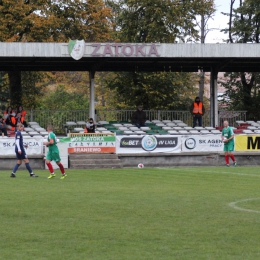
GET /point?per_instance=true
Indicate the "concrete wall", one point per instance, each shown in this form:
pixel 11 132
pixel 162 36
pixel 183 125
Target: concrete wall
pixel 188 159
pixel 8 162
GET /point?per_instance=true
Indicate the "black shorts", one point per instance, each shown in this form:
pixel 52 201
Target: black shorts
pixel 21 156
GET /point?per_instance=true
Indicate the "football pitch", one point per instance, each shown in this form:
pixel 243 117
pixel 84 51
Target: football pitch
pixel 132 214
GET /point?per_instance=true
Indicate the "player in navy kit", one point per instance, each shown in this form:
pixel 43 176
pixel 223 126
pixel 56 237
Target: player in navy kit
pixel 20 153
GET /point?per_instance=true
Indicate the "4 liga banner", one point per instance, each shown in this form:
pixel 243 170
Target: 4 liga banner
pixel 148 144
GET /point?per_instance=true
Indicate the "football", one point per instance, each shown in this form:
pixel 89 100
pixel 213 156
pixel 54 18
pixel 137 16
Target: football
pixel 140 165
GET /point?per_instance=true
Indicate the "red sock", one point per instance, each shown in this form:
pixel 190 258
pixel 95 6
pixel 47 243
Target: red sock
pixel 50 167
pixel 227 159
pixel 61 168
pixel 232 157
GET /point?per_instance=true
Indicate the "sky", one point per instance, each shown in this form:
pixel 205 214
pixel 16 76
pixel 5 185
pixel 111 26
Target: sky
pixel 220 21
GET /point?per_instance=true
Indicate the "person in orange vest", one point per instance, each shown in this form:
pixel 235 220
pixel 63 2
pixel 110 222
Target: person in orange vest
pixel 197 110
pixel 11 125
pixel 20 115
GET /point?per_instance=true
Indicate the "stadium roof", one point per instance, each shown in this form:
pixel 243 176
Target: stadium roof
pixel 130 57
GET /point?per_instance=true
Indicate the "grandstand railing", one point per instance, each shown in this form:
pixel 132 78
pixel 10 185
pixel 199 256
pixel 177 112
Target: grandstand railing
pixel 185 116
pixel 59 117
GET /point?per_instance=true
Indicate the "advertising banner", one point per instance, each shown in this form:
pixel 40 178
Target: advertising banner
pixel 90 144
pixel 35 146
pixel 247 143
pixel 202 143
pixel 148 144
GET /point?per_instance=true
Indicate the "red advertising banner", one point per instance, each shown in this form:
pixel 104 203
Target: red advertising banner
pixel 79 149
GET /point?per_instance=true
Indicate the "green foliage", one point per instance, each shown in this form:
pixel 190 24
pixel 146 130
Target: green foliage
pixel 32 88
pixel 156 21
pixel 164 90
pixel 243 93
pixel 245 23
pixel 243 87
pixel 4 91
pixel 61 99
pixel 49 21
pixel 161 21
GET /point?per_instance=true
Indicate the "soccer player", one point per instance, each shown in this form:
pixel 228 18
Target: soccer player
pixel 20 153
pixel 228 139
pixel 53 154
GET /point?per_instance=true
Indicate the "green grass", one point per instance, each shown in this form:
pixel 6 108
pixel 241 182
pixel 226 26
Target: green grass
pixel 131 214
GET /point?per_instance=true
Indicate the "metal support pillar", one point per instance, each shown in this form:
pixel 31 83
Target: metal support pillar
pixel 213 98
pixel 92 95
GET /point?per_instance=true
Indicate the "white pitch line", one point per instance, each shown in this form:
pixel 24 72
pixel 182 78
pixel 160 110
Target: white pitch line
pixel 234 173
pixel 233 205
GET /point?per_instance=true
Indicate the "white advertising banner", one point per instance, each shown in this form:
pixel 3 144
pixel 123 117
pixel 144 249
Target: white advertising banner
pixel 202 143
pixel 35 146
pixel 148 144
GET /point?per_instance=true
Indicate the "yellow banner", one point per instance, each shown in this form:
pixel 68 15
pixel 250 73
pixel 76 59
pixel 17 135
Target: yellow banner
pixel 247 143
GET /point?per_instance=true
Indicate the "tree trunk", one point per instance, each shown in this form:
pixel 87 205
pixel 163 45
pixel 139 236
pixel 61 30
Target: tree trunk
pixel 201 84
pixel 15 81
pixel 202 74
pixel 230 21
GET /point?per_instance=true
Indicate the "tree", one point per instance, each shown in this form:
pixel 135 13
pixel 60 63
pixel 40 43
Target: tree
pixel 242 93
pixel 60 99
pixel 58 21
pixel 205 15
pixel 243 87
pixel 163 21
pixel 164 90
pixel 4 90
pixel 50 21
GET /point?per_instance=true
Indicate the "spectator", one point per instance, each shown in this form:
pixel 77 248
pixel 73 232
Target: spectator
pixel 9 118
pixel 11 123
pixel 20 116
pixel 3 126
pixel 7 114
pixel 90 126
pixel 197 110
pixel 139 117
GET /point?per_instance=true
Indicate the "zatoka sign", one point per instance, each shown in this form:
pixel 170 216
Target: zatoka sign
pixel 127 49
pixel 112 50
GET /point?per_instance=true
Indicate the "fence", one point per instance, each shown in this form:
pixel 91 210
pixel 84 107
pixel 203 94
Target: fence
pixel 59 117
pixel 185 116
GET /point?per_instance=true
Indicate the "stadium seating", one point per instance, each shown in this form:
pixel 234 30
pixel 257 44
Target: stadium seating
pixel 194 132
pixel 154 127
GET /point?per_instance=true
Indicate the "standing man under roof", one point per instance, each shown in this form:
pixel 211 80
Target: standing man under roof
pixel 197 110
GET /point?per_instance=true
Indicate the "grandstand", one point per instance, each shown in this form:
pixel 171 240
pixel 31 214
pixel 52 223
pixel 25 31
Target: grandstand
pixel 153 127
pixel 33 130
pixel 162 127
